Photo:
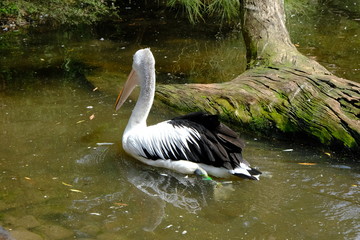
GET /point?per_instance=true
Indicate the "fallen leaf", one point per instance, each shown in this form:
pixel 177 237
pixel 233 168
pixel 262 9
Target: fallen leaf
pixel 92 117
pixel 66 184
pixel 288 150
pixel 80 121
pixel 307 163
pixel 95 89
pixel 95 213
pixel 75 190
pixel 27 178
pixel 105 144
pixel 169 226
pixel 120 204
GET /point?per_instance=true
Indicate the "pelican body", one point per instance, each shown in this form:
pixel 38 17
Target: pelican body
pixel 196 143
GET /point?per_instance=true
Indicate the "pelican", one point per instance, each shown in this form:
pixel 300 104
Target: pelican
pixel 196 143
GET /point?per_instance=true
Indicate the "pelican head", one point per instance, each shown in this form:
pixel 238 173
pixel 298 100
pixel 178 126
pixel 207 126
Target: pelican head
pixel 142 68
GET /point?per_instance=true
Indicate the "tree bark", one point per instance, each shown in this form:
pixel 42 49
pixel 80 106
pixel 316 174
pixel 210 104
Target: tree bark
pixel 267 39
pixel 282 92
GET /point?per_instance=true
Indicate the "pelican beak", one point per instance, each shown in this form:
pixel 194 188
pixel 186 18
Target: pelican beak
pixel 130 84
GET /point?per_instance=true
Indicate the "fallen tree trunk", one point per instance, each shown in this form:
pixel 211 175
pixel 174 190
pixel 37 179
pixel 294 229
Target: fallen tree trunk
pixel 282 92
pixel 278 100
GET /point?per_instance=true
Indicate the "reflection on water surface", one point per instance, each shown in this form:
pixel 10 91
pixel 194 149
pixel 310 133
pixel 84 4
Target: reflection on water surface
pixel 65 176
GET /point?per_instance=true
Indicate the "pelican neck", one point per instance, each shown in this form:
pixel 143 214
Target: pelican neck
pixel 144 103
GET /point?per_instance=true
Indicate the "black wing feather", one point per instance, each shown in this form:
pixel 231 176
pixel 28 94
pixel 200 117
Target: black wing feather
pixel 219 146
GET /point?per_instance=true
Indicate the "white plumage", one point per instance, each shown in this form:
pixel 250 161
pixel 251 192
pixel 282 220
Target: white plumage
pixel 157 139
pixel 195 143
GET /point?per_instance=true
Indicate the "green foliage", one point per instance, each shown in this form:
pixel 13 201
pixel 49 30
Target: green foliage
pixel 229 10
pixel 8 8
pixel 192 8
pixel 302 7
pixel 226 10
pixel 72 12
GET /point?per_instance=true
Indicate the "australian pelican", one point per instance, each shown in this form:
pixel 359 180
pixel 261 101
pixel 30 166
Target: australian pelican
pixel 196 143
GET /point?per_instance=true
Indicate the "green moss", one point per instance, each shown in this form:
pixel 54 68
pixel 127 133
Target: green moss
pixel 312 112
pixel 327 136
pixel 319 132
pixel 282 122
pixel 259 118
pixel 225 105
pixel 281 96
pixel 261 123
pixel 242 114
pixel 339 133
pixel 248 88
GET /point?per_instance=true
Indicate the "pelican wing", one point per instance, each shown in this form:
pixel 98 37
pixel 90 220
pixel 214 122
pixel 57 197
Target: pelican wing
pixel 196 137
pixel 164 141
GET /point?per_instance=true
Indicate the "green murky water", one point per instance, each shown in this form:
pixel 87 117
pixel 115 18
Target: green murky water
pixel 332 37
pixel 64 175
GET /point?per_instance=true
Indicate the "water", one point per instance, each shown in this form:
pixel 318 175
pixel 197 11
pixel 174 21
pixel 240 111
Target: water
pixel 331 36
pixel 64 174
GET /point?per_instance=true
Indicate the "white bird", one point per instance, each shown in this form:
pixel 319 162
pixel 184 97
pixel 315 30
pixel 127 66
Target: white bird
pixel 196 143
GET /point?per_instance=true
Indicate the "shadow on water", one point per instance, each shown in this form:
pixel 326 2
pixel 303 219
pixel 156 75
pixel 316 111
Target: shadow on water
pixel 155 187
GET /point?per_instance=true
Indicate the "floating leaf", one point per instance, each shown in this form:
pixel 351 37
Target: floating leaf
pixel 80 121
pixel 307 163
pixel 95 89
pixel 329 154
pixel 105 144
pixel 120 204
pixel 288 150
pixel 66 184
pixel 95 213
pixel 75 190
pixel 92 117
pixel 27 178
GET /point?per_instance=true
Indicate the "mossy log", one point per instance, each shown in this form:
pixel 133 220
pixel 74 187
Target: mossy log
pixel 278 100
pixel 282 92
